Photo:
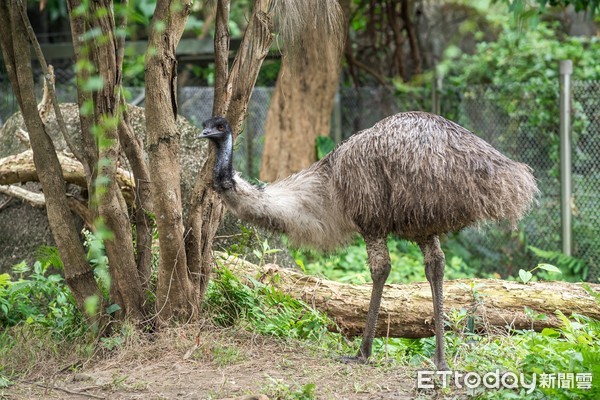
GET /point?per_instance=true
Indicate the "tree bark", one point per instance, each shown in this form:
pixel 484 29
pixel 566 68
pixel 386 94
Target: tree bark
pixel 407 311
pixel 411 32
pixel 301 106
pixel 15 48
pixel 232 93
pixel 89 148
pixel 176 296
pixel 111 207
pixel 133 148
pixel 300 111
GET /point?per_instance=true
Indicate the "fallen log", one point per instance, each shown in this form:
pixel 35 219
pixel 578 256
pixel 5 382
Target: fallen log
pixel 19 168
pixel 407 311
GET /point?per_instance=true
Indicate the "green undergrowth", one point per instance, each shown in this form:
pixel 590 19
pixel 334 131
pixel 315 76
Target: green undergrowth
pixel 573 348
pixel 40 323
pixel 39 319
pixel 349 265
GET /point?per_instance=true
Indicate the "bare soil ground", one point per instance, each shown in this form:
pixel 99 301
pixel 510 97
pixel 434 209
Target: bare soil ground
pixel 206 363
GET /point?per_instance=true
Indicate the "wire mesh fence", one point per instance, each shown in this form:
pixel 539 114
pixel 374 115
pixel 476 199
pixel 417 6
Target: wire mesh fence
pixel 506 121
pixel 586 175
pixel 493 113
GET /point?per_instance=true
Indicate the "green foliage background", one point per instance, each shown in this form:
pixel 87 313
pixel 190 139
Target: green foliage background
pixel 507 91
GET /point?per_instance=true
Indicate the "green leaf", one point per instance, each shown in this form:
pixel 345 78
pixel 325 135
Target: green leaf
pixel 525 275
pixel 4 381
pixel 55 278
pixel 93 83
pixel 21 268
pixel 113 308
pixel 87 108
pixel 550 332
pixel 325 145
pixel 549 268
pixel 91 305
pixel 92 33
pixel 4 280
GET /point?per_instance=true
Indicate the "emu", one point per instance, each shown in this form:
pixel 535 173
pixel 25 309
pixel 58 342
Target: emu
pixel 413 174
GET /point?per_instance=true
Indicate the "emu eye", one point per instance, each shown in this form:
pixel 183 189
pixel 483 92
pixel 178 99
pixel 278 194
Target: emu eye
pixel 220 127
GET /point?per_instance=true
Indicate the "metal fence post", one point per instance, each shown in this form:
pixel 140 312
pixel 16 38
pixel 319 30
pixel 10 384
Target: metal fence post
pixel 566 69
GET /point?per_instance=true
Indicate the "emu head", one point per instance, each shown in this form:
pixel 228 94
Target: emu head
pixel 216 129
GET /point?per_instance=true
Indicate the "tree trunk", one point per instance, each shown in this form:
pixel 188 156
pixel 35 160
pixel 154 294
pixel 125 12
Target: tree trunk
pixel 300 111
pixel 89 149
pixel 15 48
pixel 407 311
pixel 106 200
pixel 176 297
pixel 144 226
pixel 233 89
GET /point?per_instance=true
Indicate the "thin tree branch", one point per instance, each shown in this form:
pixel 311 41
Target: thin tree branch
pixel 120 42
pixel 35 199
pixel 412 37
pixel 222 95
pixel 376 74
pixel 67 390
pixel 86 120
pixel 48 77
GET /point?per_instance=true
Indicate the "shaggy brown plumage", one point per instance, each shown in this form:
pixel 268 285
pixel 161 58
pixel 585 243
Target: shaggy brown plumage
pixel 417 174
pixel 413 174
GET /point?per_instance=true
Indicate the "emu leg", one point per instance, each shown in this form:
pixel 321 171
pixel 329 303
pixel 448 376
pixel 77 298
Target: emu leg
pixel 379 264
pixel 435 262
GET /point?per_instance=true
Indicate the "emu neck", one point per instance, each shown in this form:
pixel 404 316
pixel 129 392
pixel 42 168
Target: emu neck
pixel 223 171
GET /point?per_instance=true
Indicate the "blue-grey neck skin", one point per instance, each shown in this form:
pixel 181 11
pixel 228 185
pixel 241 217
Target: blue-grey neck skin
pixel 223 171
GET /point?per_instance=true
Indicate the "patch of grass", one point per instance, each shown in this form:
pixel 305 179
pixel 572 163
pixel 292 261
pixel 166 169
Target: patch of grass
pixel 278 389
pixel 219 352
pixel 30 349
pixel 42 327
pixel 261 308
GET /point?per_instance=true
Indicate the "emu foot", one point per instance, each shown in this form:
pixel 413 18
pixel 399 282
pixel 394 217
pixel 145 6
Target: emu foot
pixel 441 364
pixel 353 359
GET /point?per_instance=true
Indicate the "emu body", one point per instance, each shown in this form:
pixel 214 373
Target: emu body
pixel 413 174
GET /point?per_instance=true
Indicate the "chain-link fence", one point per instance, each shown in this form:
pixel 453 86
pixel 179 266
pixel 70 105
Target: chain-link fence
pixel 195 104
pixel 526 130
pixel 494 113
pixel 586 175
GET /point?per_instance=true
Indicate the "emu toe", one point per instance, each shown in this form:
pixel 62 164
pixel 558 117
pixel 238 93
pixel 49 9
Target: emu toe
pixel 441 365
pixel 353 360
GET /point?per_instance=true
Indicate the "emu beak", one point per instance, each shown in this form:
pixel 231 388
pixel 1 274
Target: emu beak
pixel 206 133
